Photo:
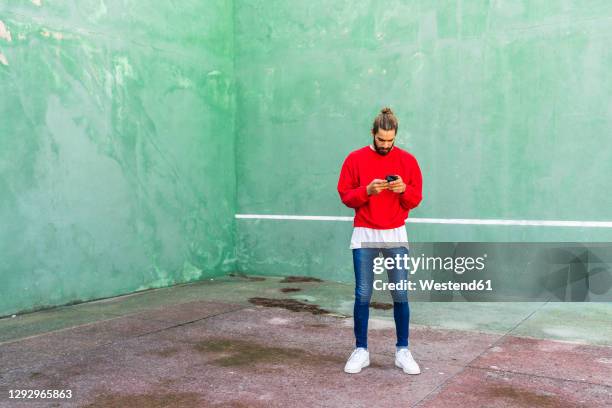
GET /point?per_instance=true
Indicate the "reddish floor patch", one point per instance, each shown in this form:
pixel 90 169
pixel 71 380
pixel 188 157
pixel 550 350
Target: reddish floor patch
pixel 167 352
pixel 495 389
pixel 549 358
pixel 317 325
pixel 153 400
pixel 523 397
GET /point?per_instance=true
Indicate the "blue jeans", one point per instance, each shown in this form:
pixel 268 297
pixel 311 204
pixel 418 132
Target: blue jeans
pixel 363 262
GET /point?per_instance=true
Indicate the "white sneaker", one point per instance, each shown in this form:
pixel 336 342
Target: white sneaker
pixel 360 358
pixel 404 360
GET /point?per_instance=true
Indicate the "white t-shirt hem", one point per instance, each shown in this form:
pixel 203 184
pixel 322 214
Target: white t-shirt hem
pixel 379 238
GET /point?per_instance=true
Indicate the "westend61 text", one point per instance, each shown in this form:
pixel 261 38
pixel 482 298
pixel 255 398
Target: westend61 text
pixel 430 284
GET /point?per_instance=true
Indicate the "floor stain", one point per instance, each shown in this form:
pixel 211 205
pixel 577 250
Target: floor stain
pixel 237 404
pixel 286 290
pixel 241 353
pixel 381 305
pixel 168 383
pixel 528 398
pixel 296 279
pixel 247 277
pixel 62 376
pixel 317 325
pixel 167 352
pixel 153 400
pixel 289 304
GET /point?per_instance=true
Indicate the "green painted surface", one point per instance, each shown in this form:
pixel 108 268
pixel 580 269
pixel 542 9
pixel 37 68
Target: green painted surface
pixel 133 131
pixel 116 147
pixel 505 104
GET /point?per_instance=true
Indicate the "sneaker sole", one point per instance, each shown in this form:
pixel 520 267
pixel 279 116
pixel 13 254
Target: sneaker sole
pixel 357 370
pixel 399 366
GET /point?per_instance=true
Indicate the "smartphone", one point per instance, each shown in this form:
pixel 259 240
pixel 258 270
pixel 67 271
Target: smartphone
pixel 391 178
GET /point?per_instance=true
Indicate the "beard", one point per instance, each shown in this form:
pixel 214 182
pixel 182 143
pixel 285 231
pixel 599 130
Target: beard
pixel 382 151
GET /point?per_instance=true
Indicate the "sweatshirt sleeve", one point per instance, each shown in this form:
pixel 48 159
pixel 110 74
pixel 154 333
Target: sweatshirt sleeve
pixel 413 195
pixel 351 193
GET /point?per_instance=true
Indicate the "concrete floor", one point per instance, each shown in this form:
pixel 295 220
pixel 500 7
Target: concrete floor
pixel 207 345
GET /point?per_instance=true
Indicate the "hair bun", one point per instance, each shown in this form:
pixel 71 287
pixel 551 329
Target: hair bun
pixel 386 111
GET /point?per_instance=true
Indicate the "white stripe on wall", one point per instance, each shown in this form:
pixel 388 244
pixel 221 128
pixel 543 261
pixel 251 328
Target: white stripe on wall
pixel 453 221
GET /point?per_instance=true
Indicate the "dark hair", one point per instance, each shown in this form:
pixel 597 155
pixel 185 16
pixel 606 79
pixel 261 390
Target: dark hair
pixel 385 120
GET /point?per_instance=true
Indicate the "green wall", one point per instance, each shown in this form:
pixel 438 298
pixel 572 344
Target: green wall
pixel 506 105
pixel 116 147
pixel 131 132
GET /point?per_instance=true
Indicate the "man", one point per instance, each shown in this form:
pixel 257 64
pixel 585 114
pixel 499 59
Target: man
pixel 381 208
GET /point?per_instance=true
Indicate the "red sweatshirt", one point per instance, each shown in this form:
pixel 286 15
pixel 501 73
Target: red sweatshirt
pixel 387 209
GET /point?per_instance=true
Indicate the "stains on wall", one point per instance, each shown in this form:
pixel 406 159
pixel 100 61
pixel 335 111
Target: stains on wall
pixel 112 156
pixel 5 34
pixel 53 34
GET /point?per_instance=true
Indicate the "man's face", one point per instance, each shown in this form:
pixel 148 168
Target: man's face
pixel 383 141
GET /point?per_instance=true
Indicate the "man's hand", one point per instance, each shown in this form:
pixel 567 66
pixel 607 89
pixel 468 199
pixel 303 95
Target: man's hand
pixel 376 186
pixel 397 186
